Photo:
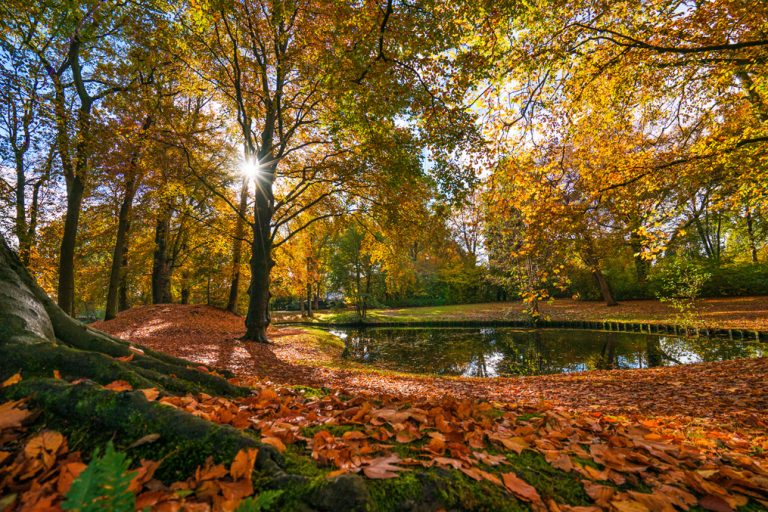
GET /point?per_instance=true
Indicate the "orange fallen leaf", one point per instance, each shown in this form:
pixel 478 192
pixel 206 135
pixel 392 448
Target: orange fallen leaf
pixel 45 446
pixel 275 442
pixel 13 379
pixel 119 385
pixel 242 465
pixel 67 475
pixel 150 393
pixel 126 359
pixel 520 488
pixel 144 474
pixel 11 416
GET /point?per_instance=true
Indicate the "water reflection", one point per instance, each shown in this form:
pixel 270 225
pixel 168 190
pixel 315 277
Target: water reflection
pixel 493 352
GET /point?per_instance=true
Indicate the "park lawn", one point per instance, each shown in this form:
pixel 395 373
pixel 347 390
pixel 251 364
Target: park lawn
pixel 748 313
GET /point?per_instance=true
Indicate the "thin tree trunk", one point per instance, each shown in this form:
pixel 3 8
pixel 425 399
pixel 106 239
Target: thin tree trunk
pixel 161 271
pixel 21 209
pixel 641 264
pixel 66 288
pixel 309 300
pixel 122 293
pixel 605 289
pixel 751 236
pixel 237 248
pixel 121 239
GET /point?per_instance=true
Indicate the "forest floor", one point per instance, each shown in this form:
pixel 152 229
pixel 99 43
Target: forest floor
pixel 750 313
pixel 685 436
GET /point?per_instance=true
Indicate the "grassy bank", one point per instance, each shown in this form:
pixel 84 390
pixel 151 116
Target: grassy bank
pixel 749 313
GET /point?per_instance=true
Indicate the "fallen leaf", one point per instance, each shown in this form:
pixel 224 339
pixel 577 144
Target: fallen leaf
pixel 242 465
pixel 11 416
pixel 67 475
pixel 382 467
pixel 275 442
pixel 520 488
pixel 13 379
pixel 126 359
pixel 150 394
pixel 119 385
pixel 149 438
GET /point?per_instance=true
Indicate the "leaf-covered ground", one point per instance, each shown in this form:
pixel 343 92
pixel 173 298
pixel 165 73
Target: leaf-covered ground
pixel 629 440
pixel 749 313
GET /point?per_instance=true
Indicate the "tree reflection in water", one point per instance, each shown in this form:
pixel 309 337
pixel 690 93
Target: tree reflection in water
pixel 492 352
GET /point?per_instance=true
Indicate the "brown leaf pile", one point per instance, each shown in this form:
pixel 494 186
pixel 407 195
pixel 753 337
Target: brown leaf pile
pixel 719 471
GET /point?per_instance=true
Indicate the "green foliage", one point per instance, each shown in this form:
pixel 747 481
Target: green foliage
pixel 262 502
pixel 103 485
pixel 682 282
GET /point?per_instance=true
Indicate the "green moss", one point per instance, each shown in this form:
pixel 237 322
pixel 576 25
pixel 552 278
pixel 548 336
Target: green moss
pixel 436 488
pixel 587 462
pixel 528 416
pixel 549 481
pixel 311 392
pixel 297 463
pixel 335 430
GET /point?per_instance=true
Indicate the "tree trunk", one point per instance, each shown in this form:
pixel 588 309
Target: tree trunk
pixel 751 236
pixel 161 268
pixel 257 319
pixel 605 288
pixel 309 300
pixel 237 248
pixel 641 264
pixel 123 302
pixel 66 288
pixel 119 252
pixel 21 210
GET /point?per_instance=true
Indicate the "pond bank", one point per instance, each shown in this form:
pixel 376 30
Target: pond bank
pixel 731 394
pixel 747 314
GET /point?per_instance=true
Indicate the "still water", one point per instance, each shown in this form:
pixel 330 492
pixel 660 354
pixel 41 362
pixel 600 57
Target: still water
pixel 507 351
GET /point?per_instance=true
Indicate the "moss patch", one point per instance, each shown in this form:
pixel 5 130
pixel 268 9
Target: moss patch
pixel 549 481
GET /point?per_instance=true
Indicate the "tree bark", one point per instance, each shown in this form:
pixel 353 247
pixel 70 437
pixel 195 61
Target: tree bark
pixel 257 319
pixel 123 303
pixel 309 300
pixel 119 252
pixel 641 264
pixel 751 236
pixel 605 288
pixel 161 268
pixel 66 287
pixel 237 248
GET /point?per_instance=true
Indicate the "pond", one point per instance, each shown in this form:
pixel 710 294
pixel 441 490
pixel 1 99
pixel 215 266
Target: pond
pixel 507 351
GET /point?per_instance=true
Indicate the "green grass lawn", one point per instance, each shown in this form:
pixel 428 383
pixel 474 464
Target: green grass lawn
pixel 749 313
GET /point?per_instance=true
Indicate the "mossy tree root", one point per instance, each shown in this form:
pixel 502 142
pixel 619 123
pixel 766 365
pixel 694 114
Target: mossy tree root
pixel 37 337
